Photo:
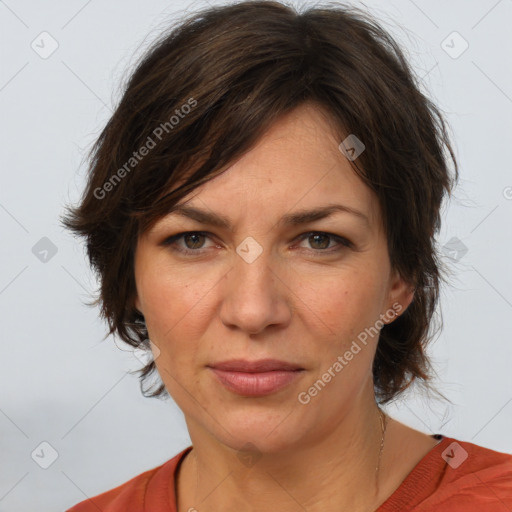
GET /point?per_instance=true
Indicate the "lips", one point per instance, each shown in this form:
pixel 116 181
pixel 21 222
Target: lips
pixel 262 365
pixel 255 378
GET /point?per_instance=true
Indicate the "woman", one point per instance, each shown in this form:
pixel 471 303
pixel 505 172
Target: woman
pixel 262 206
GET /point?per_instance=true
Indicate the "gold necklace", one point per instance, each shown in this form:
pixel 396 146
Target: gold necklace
pixel 383 424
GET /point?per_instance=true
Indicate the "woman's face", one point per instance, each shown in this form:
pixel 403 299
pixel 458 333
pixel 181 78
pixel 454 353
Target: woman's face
pixel 271 285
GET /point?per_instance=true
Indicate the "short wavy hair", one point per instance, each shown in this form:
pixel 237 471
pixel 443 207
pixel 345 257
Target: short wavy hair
pixel 202 96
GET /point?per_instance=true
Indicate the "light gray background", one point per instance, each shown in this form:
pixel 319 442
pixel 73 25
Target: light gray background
pixel 61 384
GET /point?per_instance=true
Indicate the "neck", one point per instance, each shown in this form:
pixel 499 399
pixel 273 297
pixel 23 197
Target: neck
pixel 338 470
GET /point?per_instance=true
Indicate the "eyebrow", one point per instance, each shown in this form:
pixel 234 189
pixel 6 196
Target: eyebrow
pixel 290 219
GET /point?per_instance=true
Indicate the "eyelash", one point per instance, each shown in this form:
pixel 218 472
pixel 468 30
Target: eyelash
pixel 343 242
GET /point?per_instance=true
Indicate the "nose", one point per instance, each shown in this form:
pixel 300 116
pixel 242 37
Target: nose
pixel 254 297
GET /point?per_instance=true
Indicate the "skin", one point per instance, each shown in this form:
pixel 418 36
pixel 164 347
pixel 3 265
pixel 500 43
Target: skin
pixel 302 300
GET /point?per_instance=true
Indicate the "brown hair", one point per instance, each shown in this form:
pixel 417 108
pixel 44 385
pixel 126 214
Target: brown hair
pixel 204 94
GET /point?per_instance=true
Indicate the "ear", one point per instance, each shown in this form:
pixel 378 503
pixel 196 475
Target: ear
pixel 400 295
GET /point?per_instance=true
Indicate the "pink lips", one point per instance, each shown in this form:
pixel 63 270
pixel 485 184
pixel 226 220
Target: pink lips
pixel 255 378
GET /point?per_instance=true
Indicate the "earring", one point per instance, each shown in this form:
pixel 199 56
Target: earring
pixel 395 315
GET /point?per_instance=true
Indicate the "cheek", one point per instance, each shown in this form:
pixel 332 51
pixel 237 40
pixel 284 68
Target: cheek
pixel 168 295
pixel 177 318
pixel 348 305
pixel 177 309
pixel 344 302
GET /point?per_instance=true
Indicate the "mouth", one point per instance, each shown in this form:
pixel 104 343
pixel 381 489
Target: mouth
pixel 255 378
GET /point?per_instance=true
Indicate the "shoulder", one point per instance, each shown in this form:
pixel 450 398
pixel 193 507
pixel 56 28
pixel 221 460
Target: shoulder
pixel 472 477
pixel 133 495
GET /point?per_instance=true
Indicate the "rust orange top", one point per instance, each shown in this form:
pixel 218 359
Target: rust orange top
pixel 455 476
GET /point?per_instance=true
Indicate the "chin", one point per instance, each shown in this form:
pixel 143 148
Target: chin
pixel 260 432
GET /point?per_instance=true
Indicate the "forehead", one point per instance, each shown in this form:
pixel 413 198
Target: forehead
pixel 297 163
pixel 295 166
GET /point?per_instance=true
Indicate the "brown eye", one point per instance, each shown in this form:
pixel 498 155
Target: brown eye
pixel 325 242
pixel 193 240
pixel 319 241
pixel 190 242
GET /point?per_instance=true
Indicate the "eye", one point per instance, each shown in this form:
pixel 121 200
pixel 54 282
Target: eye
pixel 321 241
pixel 193 242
